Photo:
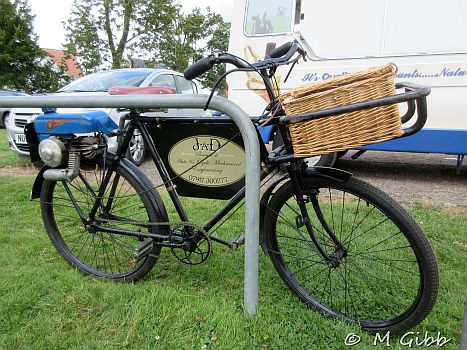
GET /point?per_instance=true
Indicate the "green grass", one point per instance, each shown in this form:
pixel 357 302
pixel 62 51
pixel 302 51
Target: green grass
pixel 45 304
pixel 7 157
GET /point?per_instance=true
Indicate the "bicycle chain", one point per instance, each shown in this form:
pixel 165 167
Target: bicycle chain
pixel 194 254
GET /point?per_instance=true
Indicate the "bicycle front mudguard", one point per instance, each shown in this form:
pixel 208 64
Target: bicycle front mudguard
pixel 328 173
pixel 317 171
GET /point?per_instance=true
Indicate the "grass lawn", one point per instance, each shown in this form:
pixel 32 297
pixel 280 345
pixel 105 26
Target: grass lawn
pixel 45 304
pixel 7 157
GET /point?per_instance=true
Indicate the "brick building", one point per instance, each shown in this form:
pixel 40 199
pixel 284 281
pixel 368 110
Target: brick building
pixel 71 65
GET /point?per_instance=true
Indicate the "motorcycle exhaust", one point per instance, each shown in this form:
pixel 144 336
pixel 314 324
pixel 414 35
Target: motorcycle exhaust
pixel 67 174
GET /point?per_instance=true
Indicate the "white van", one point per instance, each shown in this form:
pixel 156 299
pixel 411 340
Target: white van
pixel 425 39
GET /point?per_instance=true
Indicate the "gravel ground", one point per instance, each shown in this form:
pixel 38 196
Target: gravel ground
pixel 407 177
pixel 412 177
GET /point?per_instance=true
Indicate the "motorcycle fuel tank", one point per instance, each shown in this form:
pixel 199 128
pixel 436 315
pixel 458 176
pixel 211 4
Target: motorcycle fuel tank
pixel 53 123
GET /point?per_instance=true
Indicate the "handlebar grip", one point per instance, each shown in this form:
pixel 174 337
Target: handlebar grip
pixel 281 50
pixel 198 68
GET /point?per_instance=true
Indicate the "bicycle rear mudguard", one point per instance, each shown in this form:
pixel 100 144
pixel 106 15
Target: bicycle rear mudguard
pixel 319 172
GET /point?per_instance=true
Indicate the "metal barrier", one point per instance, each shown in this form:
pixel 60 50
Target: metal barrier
pixel 252 153
pixel 464 329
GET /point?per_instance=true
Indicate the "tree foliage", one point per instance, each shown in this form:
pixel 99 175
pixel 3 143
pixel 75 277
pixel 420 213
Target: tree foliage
pixel 192 37
pixel 23 65
pixel 101 32
pixel 106 33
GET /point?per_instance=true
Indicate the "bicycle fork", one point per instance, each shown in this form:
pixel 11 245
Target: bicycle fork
pixel 303 196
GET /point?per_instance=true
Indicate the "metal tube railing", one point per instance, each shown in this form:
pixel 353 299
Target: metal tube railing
pixel 252 153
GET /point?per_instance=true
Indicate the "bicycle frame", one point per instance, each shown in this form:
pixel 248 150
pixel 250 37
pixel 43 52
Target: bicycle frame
pixel 138 122
pixel 295 170
pixel 135 121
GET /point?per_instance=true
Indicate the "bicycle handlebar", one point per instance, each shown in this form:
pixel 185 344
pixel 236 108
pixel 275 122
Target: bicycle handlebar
pixel 279 56
pixel 281 50
pixel 198 68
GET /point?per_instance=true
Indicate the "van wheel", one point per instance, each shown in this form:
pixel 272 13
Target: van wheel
pixel 340 154
pixel 136 150
pixel 326 160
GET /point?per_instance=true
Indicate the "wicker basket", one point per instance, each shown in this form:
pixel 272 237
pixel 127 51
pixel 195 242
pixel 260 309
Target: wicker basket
pixel 349 130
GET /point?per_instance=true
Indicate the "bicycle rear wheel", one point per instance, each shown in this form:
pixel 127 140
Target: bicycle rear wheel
pixel 101 254
pixel 386 280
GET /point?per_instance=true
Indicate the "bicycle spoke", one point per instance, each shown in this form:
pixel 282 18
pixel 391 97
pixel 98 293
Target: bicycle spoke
pixel 381 250
pixel 370 229
pixel 306 267
pixel 373 259
pixel 301 239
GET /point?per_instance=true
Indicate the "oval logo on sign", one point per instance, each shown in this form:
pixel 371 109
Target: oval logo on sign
pixel 225 165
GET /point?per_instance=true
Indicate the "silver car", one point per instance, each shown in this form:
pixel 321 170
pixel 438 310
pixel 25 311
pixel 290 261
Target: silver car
pixel 4 112
pixel 99 84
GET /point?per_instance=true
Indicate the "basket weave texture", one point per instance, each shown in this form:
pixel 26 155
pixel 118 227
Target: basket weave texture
pixel 348 130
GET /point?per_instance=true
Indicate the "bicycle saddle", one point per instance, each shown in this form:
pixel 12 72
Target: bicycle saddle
pixel 146 90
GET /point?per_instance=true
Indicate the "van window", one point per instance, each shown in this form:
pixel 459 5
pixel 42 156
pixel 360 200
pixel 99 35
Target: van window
pixel 263 17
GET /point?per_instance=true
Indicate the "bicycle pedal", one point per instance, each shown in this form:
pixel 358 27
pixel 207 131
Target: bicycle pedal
pixel 143 249
pixel 240 240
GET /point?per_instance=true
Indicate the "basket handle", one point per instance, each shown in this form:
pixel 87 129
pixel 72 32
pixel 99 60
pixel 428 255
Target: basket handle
pixel 414 95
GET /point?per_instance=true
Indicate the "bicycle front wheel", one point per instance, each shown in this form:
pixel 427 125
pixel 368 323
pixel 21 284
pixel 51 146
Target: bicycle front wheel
pixel 126 204
pixel 387 279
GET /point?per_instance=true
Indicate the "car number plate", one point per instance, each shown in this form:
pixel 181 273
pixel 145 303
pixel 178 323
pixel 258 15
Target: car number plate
pixel 20 138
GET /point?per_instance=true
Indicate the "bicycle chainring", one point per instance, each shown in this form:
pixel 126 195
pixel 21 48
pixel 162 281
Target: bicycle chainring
pixel 198 245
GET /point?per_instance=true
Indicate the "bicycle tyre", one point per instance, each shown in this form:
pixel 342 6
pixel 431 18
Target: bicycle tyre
pixel 396 301
pixel 101 254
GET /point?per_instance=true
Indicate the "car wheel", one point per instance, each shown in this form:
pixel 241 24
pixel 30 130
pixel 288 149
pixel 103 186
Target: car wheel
pixel 326 160
pixel 2 119
pixel 136 150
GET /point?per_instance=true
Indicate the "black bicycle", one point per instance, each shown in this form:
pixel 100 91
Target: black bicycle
pixel 341 245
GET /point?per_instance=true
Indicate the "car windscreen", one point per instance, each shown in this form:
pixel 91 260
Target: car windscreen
pixel 12 93
pixel 105 80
